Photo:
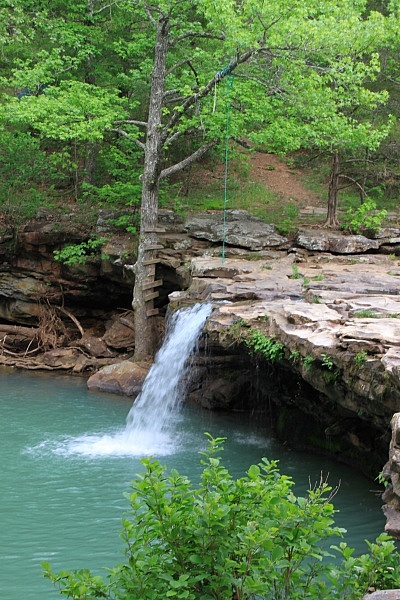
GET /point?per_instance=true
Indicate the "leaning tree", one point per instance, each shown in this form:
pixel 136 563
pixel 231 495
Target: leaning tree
pixel 297 68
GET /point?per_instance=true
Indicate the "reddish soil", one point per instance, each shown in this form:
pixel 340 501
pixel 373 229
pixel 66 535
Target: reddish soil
pixel 277 176
pixel 267 169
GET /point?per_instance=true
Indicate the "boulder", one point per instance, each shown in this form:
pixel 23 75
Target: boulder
pixel 124 378
pixel 120 334
pixel 95 346
pixel 239 229
pixel 335 242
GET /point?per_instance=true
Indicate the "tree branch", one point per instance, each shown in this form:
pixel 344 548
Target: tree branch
pixel 177 65
pixel 188 160
pixel 132 122
pixel 206 90
pixel 131 139
pixel 175 136
pixel 96 12
pixel 353 182
pixel 149 15
pixel 197 34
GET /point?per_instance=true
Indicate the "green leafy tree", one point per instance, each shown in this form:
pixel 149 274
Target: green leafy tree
pixel 164 75
pixel 231 539
pixel 299 71
pixel 60 83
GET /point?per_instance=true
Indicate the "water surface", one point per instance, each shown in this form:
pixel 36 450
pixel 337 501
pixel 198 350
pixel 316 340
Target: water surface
pixel 62 503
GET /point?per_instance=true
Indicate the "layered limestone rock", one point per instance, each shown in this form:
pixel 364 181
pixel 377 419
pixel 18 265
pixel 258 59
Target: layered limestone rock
pixel 333 308
pixel 337 321
pixel 391 474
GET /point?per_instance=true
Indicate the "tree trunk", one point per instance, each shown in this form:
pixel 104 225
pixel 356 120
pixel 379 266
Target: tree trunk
pixel 145 269
pixel 331 219
pixel 91 152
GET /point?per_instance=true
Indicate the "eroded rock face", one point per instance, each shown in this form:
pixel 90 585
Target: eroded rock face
pixel 339 327
pixel 391 474
pixel 334 311
pixel 337 243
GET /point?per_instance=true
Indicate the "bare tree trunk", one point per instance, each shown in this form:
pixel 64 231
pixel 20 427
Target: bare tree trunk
pixel 331 219
pixel 91 152
pixel 145 266
pixel 363 193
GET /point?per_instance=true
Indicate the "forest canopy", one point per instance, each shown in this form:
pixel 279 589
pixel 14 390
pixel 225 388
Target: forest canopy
pixel 104 101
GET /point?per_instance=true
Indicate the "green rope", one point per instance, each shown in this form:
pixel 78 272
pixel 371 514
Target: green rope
pixel 230 80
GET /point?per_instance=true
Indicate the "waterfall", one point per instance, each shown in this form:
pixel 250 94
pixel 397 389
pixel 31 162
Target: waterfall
pixel 163 390
pixel 151 421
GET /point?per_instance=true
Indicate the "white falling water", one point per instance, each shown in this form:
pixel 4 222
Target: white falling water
pixel 162 391
pixel 150 422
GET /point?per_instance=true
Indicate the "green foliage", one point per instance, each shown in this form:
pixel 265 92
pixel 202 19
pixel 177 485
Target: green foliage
pixel 127 222
pixel 294 356
pixel 308 362
pixel 78 254
pixel 365 314
pixel 360 359
pixel 331 375
pixel 236 330
pixel 370 314
pixel 26 175
pixel 380 478
pixel 83 72
pixel 365 217
pixel 116 194
pixel 295 272
pixel 378 569
pixel 265 346
pixel 288 222
pixel 327 361
pixel 244 538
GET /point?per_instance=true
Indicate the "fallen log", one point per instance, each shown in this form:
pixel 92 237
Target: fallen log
pixel 30 332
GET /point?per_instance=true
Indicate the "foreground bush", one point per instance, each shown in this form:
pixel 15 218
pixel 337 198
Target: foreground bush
pixel 227 539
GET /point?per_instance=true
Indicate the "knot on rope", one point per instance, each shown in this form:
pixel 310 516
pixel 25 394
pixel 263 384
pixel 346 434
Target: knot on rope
pixel 221 74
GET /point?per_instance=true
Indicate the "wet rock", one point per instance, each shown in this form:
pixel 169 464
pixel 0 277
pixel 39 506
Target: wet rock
pixel 124 378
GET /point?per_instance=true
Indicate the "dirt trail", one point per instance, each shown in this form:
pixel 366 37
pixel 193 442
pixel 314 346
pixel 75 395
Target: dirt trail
pixel 266 169
pixel 285 181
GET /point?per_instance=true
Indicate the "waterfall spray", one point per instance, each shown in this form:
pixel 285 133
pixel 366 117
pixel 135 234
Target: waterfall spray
pixel 150 423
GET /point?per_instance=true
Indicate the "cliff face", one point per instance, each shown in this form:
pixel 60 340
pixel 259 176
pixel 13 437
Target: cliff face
pixel 327 364
pixel 330 301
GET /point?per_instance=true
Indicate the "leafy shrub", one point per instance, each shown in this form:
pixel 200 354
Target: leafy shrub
pixel 307 362
pixel 78 254
pixel 225 539
pixel 360 358
pixel 266 346
pixel 365 217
